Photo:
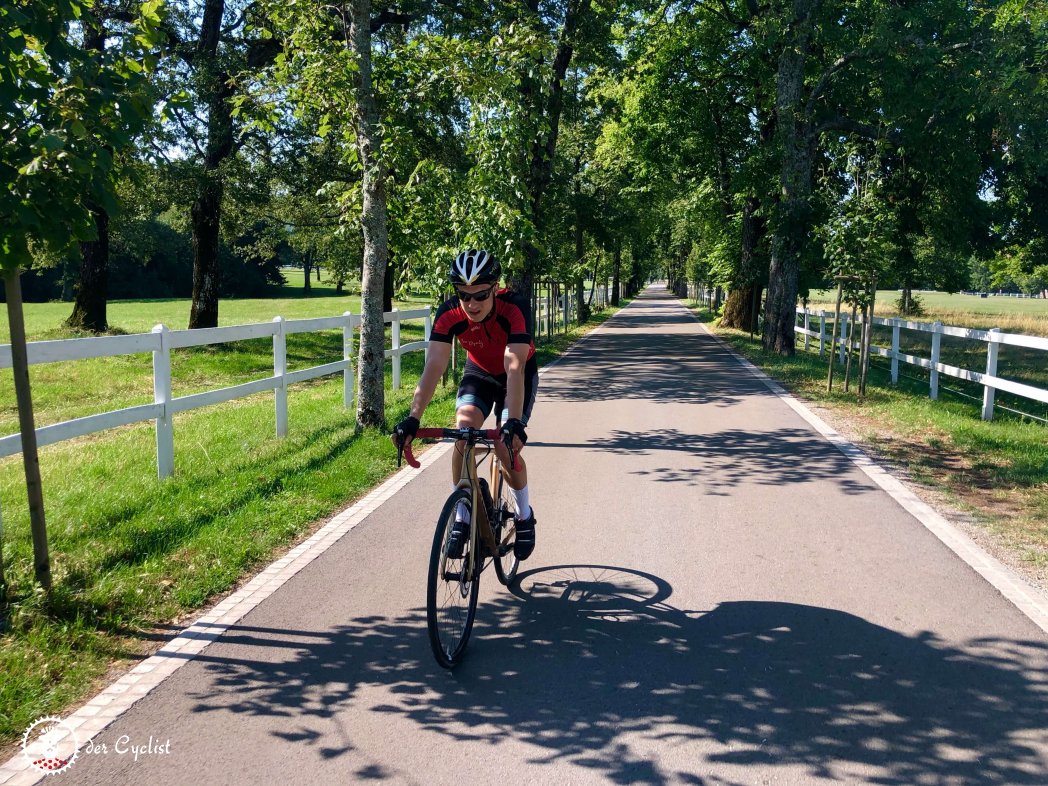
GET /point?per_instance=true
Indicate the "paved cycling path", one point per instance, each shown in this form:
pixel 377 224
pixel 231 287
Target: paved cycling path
pixel 718 596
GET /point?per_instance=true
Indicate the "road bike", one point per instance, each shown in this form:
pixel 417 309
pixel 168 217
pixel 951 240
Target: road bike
pixel 488 506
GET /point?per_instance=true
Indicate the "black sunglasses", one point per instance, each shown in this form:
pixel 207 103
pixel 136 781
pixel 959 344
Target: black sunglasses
pixel 465 297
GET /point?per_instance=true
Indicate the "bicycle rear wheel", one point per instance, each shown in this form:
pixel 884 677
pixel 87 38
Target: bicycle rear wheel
pixel 506 562
pixel 451 599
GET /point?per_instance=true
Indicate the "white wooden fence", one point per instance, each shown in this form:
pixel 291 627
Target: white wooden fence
pixel 162 340
pixel 988 378
pixel 557 313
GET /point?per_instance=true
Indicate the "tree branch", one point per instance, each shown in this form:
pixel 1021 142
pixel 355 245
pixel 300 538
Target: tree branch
pixel 390 16
pixel 840 63
pixel 866 130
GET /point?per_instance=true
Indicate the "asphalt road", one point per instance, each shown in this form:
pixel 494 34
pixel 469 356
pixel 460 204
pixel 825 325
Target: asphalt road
pixel 717 597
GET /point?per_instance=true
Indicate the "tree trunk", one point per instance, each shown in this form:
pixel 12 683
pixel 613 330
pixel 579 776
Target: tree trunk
pixel 739 310
pixel 89 310
pixel 206 211
pixel 307 269
pixel 833 340
pixel 545 124
pixel 593 287
pixel 616 272
pixel 580 253
pixel 796 138
pixel 371 409
pixel 739 307
pixel 27 427
pixel 206 214
pixel 387 284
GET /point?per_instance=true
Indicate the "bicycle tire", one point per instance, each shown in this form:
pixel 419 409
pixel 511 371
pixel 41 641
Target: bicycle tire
pixel 506 561
pixel 451 602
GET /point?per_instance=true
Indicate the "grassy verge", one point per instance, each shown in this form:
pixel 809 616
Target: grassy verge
pixel 133 557
pixel 996 472
pixel 1011 315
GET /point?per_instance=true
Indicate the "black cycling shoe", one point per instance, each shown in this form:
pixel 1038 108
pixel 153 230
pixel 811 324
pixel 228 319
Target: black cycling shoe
pixel 457 540
pixel 525 541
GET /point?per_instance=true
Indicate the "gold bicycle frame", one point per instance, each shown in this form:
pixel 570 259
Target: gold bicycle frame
pixel 469 480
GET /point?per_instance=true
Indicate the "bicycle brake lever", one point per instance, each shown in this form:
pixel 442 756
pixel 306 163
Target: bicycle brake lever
pixel 513 463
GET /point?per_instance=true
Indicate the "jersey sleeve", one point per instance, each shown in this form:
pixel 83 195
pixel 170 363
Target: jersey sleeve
pixel 446 322
pixel 518 317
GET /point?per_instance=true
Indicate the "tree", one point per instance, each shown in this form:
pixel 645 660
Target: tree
pixel 63 110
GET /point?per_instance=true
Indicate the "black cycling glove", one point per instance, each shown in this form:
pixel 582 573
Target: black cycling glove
pixel 514 428
pixel 406 430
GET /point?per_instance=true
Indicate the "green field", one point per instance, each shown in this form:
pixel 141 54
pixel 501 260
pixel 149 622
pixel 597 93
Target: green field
pixel 44 320
pixel 62 391
pixel 1013 315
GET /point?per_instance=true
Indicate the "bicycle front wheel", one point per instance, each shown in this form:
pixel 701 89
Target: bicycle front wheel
pixel 451 597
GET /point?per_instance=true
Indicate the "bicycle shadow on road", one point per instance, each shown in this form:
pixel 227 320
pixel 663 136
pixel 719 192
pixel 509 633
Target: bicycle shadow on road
pixel 592 666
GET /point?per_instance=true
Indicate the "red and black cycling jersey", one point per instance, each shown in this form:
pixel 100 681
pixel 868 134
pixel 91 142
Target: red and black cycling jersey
pixel 485 342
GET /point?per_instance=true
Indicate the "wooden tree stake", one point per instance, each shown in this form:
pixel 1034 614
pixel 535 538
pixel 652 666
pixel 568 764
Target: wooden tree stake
pixel 27 427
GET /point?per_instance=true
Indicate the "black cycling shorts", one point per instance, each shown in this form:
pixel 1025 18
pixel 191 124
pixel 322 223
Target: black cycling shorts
pixel 486 392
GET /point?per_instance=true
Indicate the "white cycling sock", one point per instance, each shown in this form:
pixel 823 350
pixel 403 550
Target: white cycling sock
pixel 520 496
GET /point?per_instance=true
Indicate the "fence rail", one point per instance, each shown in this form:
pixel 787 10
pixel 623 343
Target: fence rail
pixel 848 335
pixel 988 379
pixel 162 340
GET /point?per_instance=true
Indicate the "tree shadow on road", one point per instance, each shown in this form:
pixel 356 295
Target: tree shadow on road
pixel 723 460
pixel 647 364
pixel 591 665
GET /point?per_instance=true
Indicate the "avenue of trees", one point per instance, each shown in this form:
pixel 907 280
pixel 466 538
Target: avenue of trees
pixel 758 146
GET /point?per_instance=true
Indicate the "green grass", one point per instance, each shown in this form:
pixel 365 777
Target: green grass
pixel 996 470
pixel 1019 364
pixel 132 556
pixel 62 391
pixel 1013 315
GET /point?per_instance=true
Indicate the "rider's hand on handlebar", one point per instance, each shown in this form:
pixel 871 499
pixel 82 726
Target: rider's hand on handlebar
pixel 513 429
pixel 404 431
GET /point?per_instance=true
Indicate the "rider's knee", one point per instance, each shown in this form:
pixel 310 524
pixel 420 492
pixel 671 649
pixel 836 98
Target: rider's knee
pixel 470 416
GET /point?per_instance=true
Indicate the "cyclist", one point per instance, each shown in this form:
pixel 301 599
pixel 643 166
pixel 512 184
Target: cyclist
pixel 494 325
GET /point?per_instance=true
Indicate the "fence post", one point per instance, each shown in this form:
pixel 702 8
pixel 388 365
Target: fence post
pixel 933 378
pixel 280 372
pixel 895 351
pixel 807 327
pixel 549 311
pixel 396 349
pixel 347 355
pixel 427 328
pixel 845 336
pixel 165 432
pixel 989 392
pixel 822 333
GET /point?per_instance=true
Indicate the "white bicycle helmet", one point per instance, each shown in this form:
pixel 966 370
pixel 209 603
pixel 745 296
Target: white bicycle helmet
pixel 475 266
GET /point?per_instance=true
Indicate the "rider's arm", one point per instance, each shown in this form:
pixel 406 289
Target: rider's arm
pixel 437 356
pixel 516 359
